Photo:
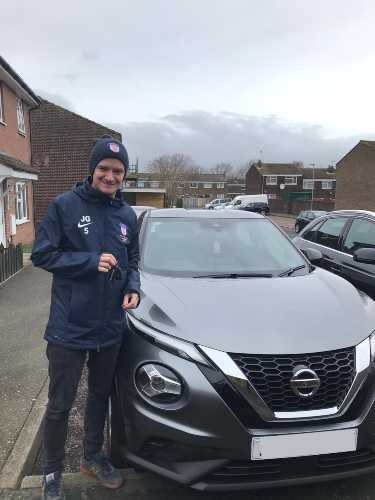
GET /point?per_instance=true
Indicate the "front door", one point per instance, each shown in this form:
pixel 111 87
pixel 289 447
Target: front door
pixel 2 219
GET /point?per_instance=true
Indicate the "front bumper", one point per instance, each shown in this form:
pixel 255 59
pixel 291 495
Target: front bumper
pixel 204 440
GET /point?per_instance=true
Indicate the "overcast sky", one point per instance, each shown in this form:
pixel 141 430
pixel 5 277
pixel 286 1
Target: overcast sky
pixel 219 80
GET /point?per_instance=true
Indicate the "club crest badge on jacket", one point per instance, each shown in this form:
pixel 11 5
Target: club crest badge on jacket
pixel 124 232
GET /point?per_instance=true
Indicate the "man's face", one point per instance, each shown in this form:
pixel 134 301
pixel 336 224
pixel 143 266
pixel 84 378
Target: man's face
pixel 108 176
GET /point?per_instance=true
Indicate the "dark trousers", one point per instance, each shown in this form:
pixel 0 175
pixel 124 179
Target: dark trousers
pixel 65 370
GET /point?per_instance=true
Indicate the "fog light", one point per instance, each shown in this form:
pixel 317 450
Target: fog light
pixel 158 383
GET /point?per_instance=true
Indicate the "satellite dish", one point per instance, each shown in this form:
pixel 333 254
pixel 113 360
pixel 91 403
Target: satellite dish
pixel 282 186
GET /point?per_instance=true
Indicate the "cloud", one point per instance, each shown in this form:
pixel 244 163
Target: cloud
pixel 210 138
pixel 58 99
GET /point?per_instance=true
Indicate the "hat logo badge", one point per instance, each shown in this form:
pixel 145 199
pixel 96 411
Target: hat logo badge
pixel 114 147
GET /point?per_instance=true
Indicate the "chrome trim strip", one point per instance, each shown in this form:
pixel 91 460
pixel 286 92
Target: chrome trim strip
pixel 179 347
pixel 231 370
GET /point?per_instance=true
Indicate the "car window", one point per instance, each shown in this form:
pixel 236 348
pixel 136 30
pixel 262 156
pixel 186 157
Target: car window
pixel 310 235
pixel 360 235
pixel 189 247
pixel 329 232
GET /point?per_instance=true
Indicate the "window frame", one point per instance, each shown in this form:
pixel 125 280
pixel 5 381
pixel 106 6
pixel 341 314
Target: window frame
pixel 194 185
pixel 21 124
pixel 271 180
pixel 220 185
pixel 207 185
pixel 290 183
pixel 2 116
pixel 330 182
pixel 305 181
pixel 24 200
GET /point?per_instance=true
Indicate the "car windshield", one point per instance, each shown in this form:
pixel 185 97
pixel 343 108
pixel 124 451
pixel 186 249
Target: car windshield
pixel 197 246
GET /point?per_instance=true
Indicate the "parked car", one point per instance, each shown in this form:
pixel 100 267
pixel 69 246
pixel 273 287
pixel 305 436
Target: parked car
pixel 223 205
pixel 346 239
pixel 305 217
pixel 257 207
pixel 217 202
pixel 245 199
pixel 139 209
pixel 245 366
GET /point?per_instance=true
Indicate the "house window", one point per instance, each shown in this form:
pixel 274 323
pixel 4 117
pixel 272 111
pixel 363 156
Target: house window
pixel 21 202
pixel 220 185
pixel 154 184
pixel 20 116
pixel 308 184
pixel 140 184
pixel 220 196
pixel 290 181
pixel 327 184
pixel 194 184
pixel 271 180
pixel 207 185
pixel 1 105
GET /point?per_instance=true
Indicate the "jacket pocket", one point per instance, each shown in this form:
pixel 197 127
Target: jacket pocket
pixel 85 307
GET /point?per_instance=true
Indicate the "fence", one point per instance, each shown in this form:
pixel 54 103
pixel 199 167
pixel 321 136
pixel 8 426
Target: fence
pixel 11 260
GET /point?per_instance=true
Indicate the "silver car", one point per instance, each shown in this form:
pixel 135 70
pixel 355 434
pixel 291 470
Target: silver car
pixel 244 366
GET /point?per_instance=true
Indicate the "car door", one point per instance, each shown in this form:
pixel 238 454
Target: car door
pixel 360 234
pixel 326 237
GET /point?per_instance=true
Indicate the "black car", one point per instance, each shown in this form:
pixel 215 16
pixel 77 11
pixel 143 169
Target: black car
pixel 305 217
pixel 244 366
pixel 346 239
pixel 257 207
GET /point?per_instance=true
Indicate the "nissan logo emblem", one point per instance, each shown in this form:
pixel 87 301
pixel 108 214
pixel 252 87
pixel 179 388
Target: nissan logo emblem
pixel 305 382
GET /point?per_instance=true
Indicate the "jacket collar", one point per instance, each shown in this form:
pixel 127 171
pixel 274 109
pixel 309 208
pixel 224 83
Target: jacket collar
pixel 87 192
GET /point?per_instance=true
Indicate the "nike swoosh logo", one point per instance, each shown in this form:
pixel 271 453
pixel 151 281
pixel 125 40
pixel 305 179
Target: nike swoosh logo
pixel 84 225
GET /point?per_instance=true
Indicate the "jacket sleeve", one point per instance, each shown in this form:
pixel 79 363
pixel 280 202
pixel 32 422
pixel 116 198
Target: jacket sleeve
pixel 48 252
pixel 133 283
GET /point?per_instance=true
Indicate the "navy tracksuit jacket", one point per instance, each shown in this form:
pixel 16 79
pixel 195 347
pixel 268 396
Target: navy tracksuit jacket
pixel 79 225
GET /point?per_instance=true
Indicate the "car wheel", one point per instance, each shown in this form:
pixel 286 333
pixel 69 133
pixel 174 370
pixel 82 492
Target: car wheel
pixel 297 228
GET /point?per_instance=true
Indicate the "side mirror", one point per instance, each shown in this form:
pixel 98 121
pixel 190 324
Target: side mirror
pixel 365 255
pixel 314 256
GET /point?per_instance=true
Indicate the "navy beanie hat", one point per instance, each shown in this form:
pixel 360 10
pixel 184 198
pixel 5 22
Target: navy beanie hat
pixel 108 147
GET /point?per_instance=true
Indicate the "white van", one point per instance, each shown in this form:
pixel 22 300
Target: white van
pixel 242 200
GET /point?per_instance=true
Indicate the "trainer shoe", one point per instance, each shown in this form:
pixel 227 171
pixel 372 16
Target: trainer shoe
pixel 51 487
pixel 102 470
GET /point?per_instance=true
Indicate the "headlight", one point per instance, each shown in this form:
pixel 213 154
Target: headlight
pixel 176 346
pixel 158 383
pixel 372 348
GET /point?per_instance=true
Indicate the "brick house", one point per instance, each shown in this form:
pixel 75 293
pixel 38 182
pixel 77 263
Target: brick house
pixel 17 176
pixel 144 188
pixel 356 178
pixel 289 186
pixel 61 144
pixel 235 186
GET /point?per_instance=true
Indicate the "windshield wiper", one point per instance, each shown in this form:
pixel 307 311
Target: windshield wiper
pixel 236 275
pixel 291 270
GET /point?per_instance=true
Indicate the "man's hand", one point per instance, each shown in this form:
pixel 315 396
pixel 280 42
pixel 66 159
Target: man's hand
pixel 131 301
pixel 106 262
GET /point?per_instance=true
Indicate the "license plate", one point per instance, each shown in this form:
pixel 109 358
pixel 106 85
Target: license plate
pixel 303 445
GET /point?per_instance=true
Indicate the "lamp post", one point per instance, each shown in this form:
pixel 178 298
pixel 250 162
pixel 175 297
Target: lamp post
pixel 313 186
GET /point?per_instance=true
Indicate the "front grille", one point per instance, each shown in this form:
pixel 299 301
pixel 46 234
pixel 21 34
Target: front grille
pixel 248 471
pixel 271 374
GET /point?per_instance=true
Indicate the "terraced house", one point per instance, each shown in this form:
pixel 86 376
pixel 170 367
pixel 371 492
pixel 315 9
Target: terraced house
pixel 17 176
pixel 291 187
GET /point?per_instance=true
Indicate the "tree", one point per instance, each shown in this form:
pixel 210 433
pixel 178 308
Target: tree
pixel 222 168
pixel 171 170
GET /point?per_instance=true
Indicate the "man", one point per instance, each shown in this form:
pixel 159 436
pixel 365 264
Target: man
pixel 88 240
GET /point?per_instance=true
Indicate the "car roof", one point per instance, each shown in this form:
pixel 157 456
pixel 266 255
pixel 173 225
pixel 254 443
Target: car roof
pixel 353 212
pixel 203 214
